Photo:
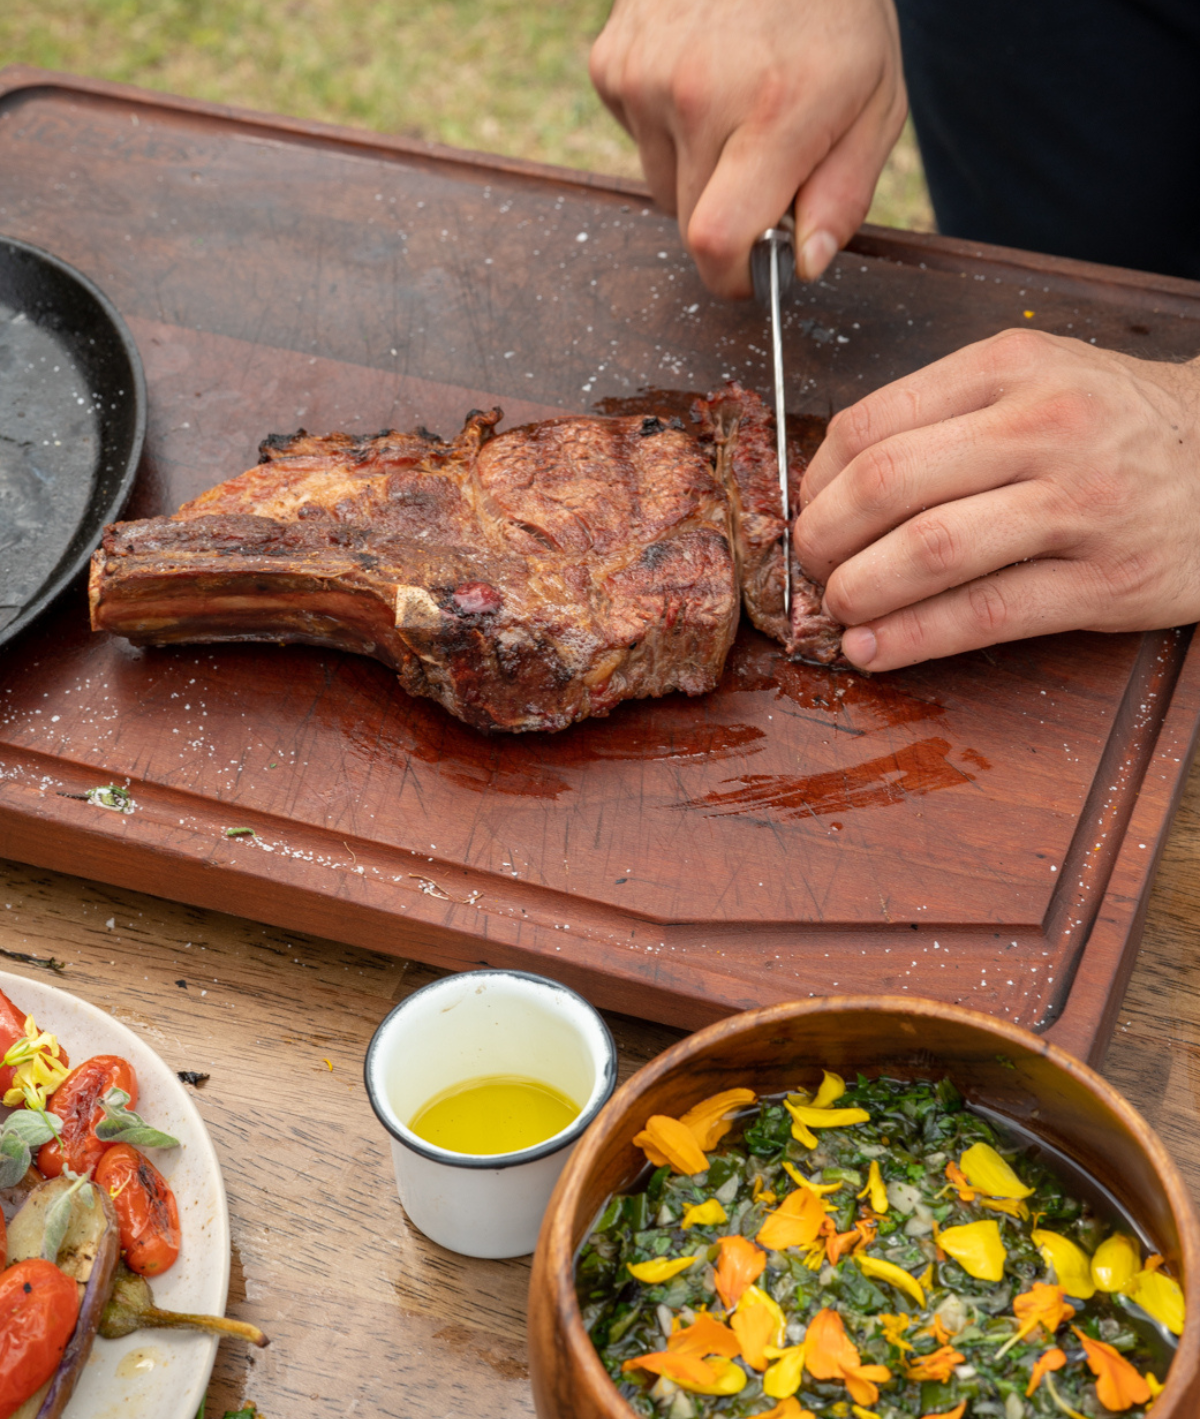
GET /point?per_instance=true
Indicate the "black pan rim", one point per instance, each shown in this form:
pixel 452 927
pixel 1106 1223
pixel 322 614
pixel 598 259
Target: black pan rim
pixel 100 513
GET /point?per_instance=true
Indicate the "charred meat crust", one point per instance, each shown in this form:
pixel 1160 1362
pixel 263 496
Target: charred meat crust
pixel 524 580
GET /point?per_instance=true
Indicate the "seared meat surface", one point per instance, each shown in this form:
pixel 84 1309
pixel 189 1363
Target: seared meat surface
pixel 741 431
pixel 524 580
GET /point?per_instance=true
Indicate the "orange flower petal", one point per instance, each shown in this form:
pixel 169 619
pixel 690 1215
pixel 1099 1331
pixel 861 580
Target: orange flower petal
pixel 1118 1384
pixel 706 1120
pixel 674 1143
pixel 1053 1359
pixel 706 1337
pixel 740 1266
pixel 789 1408
pixel 686 1369
pixel 938 1367
pixel 796 1222
pixel 956 1413
pixel 863 1382
pixel 757 1323
pixel 829 1351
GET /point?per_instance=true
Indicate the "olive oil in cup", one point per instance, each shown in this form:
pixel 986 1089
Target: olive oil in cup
pixel 500 1114
pixel 485 1081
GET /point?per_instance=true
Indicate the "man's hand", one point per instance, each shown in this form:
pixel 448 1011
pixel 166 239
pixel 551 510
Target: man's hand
pixel 1024 485
pixel 741 108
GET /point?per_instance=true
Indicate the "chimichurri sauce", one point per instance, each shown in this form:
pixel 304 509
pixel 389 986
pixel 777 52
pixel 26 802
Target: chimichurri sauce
pixel 871 1249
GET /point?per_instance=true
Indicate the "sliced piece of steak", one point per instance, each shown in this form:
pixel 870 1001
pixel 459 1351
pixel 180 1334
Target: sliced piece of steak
pixel 741 430
pixel 524 580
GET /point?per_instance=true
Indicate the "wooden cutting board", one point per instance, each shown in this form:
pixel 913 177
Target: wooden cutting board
pixel 982 830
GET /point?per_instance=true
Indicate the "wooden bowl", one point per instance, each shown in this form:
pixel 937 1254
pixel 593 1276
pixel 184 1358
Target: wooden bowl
pixel 995 1065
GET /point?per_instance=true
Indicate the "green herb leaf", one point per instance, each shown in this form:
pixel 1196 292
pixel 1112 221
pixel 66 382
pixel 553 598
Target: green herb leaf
pixel 121 1125
pixel 22 1132
pixel 120 800
pixel 240 833
pixel 58 1218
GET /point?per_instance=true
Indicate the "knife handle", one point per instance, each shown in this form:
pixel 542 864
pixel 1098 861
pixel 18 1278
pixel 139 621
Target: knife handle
pixel 777 239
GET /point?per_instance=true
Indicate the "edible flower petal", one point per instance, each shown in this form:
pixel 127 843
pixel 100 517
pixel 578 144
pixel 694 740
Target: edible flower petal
pixel 784 1375
pixel 683 1369
pixel 879 1270
pixel 1159 1296
pixel 727 1378
pixel 1041 1305
pixel 860 1413
pixel 787 1408
pixel 37 1068
pixel 800 1132
pixel 977 1247
pixel 1052 1359
pixel 740 1265
pixel 937 1367
pixel 706 1121
pixel 987 1172
pixel 1118 1384
pixel 659 1269
pixel 833 1086
pixel 796 1222
pixel 893 1329
pixel 821 1189
pixel 813 1117
pixel 704 1214
pixel 757 1323
pixel 956 1413
pixel 832 1355
pixel 665 1140
pixel 706 1337
pixel 876 1189
pixel 1072 1265
pixel 1117 1260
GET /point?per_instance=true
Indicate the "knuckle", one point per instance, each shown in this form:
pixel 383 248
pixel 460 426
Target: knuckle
pixel 691 93
pixel 882 480
pixel 1016 350
pixel 1128 575
pixel 936 548
pixel 988 606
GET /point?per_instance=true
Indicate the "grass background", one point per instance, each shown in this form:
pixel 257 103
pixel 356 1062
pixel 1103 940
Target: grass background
pixel 506 76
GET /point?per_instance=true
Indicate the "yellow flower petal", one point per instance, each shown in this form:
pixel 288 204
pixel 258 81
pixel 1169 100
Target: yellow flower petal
pixel 704 1214
pixel 660 1269
pixel 987 1172
pixel 876 1189
pixel 1117 1261
pixel 800 1132
pixel 821 1189
pixel 1072 1265
pixel 1160 1297
pixel 826 1118
pixel 833 1086
pixel 879 1270
pixel 977 1247
pixel 783 1377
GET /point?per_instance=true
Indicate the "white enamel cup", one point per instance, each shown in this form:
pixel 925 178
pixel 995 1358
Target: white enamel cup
pixel 468 1026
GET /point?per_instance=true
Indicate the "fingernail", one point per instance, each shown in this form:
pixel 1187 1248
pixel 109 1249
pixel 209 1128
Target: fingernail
pixel 858 645
pixel 818 251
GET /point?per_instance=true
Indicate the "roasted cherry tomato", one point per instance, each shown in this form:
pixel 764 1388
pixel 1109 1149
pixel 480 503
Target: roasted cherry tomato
pixel 39 1306
pixel 145 1208
pixel 77 1102
pixel 12 1028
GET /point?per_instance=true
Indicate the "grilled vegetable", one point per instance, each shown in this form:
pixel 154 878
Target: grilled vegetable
pixel 77 1101
pixel 145 1206
pixel 131 1307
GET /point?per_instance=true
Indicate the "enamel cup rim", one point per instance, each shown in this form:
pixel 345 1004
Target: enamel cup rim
pixel 602 1089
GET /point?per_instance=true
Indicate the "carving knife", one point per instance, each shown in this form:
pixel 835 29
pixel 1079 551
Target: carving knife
pixel 772 267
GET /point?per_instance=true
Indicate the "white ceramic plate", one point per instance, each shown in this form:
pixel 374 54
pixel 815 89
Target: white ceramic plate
pixel 151 1374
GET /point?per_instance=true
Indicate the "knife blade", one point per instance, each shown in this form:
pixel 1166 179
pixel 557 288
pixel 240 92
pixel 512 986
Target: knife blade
pixel 772 268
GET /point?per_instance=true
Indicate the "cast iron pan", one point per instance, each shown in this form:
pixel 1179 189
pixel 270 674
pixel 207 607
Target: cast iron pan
pixel 72 424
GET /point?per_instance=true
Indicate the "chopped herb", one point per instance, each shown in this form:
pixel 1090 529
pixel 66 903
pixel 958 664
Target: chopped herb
pixel 120 800
pixel 47 962
pixel 192 1077
pixel 902 1266
pixel 240 833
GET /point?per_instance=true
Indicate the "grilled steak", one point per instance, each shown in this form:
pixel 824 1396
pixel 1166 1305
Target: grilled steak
pixel 741 431
pixel 524 580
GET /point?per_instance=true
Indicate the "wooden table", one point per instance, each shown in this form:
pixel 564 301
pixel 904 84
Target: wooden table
pixel 367 1318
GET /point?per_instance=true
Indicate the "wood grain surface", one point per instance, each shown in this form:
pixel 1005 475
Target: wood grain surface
pixel 366 1317
pixel 983 830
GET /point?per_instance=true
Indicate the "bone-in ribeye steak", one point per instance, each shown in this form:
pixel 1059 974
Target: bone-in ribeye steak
pixel 524 580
